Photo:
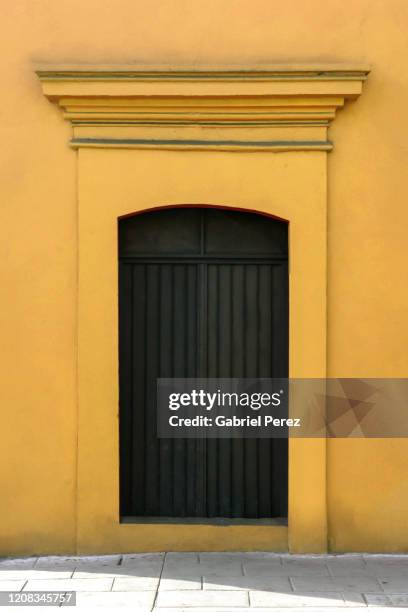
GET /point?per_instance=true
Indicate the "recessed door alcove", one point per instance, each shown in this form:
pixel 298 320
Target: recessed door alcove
pixel 203 292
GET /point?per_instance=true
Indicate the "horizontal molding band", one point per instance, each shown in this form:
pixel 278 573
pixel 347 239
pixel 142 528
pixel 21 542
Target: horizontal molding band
pixel 229 145
pixel 188 111
pixel 78 123
pixel 297 73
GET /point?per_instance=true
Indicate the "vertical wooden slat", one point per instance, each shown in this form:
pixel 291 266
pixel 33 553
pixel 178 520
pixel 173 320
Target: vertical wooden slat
pixel 179 371
pixel 166 371
pixel 212 463
pixel 251 371
pixel 200 506
pixel 237 371
pixel 194 452
pixel 125 382
pixel 137 449
pixel 224 371
pixel 152 369
pixel 265 371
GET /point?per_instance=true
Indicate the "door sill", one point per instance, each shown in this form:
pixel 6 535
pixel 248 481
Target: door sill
pixel 217 521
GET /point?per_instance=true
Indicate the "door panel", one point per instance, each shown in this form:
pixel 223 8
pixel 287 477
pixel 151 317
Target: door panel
pixel 187 315
pixel 158 338
pixel 240 312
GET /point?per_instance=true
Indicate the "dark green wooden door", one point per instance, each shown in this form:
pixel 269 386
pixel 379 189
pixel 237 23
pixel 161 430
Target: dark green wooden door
pixel 203 292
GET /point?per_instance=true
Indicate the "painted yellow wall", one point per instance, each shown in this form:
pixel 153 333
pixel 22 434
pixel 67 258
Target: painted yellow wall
pixel 367 245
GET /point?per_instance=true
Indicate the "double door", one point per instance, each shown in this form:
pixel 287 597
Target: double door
pixel 202 293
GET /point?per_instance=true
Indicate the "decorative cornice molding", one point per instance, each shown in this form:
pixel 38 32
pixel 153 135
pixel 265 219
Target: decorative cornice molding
pixel 286 107
pixel 188 72
pixel 203 145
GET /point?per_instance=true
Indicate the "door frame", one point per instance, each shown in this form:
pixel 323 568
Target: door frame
pixel 250 138
pixel 101 202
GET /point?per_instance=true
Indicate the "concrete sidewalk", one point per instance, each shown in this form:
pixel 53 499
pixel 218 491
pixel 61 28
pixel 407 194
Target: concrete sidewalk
pixel 216 581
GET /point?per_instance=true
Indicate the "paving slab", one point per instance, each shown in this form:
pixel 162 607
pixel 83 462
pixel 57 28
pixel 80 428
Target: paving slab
pixel 77 561
pixel 377 599
pixel 304 560
pixel 29 574
pixel 240 557
pixel 193 599
pixel 288 600
pixel 191 557
pixel 221 567
pixel 399 599
pixel 145 563
pixel 391 559
pixel 73 584
pixel 266 568
pixel 146 557
pixel 182 569
pixel 394 585
pixel 178 566
pixel 142 602
pixel 346 565
pixel 389 599
pixel 297 565
pixel 181 573
pixel 120 571
pixel 12 585
pixel 138 583
pixel 353 600
pixel 247 583
pixel 384 565
pixel 176 584
pixel 387 571
pixel 345 583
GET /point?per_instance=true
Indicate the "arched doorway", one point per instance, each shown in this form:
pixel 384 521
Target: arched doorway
pixel 203 292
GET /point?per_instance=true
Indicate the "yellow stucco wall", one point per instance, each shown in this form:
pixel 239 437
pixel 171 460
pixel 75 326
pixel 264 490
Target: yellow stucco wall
pixel 367 246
